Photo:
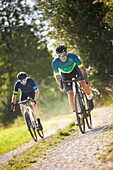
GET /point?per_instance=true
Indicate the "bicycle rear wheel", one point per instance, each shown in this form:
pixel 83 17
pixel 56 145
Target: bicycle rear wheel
pixel 30 127
pixel 88 114
pixel 79 113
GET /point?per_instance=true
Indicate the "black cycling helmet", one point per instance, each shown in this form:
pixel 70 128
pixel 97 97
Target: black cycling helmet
pixel 21 75
pixel 61 49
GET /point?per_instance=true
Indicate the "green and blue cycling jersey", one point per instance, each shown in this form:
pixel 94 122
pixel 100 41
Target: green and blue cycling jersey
pixel 28 87
pixel 68 66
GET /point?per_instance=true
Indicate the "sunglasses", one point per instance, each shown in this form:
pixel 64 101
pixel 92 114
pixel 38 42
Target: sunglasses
pixel 23 80
pixel 62 55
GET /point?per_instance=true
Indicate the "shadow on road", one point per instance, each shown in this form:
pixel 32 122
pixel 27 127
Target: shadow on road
pixel 104 128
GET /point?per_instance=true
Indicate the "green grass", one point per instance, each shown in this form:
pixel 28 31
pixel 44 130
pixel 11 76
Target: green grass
pixel 41 150
pixel 14 137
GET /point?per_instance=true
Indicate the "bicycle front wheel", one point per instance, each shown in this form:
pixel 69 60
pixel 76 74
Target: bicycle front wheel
pixel 30 127
pixel 88 114
pixel 79 113
pixel 41 133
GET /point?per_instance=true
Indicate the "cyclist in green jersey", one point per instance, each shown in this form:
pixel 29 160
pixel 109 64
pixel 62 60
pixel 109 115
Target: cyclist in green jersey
pixel 67 65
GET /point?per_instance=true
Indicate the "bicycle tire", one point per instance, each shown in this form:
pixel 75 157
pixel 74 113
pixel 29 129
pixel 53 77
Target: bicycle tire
pixel 88 114
pixel 40 132
pixel 30 127
pixel 79 113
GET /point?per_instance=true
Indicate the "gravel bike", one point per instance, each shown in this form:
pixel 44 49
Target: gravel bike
pixel 81 103
pixel 30 119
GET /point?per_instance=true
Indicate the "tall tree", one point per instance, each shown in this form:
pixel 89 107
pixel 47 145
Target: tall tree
pixel 109 15
pixel 81 25
pixel 22 48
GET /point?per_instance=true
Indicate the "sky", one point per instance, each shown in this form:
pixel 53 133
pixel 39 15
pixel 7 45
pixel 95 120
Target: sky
pixel 49 41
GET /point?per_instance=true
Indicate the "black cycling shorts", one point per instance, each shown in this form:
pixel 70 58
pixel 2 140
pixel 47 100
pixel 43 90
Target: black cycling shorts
pixel 68 76
pixel 25 95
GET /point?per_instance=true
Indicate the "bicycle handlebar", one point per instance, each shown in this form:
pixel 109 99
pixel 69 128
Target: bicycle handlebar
pixel 74 80
pixel 25 101
pixel 22 102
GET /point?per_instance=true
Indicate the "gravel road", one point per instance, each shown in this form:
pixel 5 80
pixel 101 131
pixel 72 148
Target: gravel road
pixel 82 151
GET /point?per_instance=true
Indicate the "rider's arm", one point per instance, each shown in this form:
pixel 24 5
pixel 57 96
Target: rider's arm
pixel 84 72
pixel 14 101
pixel 35 89
pixel 80 65
pixel 58 81
pixel 57 77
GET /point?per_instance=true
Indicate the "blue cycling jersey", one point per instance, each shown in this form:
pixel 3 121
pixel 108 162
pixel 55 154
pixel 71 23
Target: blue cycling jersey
pixel 28 87
pixel 68 66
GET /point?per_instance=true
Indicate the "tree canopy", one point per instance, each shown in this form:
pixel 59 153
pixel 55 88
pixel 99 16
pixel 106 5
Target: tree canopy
pixel 81 26
pixel 85 27
pixel 22 48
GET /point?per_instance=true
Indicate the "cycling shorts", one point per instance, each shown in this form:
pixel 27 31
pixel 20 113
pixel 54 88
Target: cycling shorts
pixel 68 76
pixel 25 95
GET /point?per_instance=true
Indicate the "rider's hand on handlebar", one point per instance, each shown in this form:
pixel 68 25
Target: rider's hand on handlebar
pixel 86 79
pixel 62 90
pixel 12 107
pixel 88 84
pixel 34 101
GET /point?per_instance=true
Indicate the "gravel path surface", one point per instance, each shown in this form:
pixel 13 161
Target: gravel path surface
pixel 81 152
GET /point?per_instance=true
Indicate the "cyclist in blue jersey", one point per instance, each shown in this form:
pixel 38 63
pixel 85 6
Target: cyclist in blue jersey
pixel 28 89
pixel 67 65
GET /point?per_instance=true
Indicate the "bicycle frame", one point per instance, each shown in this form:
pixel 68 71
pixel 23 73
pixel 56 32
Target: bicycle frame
pixel 29 110
pixel 30 119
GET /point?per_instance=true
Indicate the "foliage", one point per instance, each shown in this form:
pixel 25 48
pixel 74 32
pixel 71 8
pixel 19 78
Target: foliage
pixel 80 25
pixel 109 15
pixel 22 48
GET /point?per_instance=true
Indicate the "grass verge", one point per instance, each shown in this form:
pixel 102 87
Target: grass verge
pixel 40 150
pixel 14 137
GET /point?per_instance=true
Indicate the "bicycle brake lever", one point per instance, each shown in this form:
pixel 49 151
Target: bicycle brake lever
pixel 84 75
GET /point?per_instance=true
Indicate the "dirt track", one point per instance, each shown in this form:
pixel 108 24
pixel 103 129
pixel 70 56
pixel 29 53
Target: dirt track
pixel 81 152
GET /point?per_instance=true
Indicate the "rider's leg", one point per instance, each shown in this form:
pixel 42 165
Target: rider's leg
pixel 71 100
pixel 22 108
pixel 72 104
pixel 86 89
pixel 35 108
